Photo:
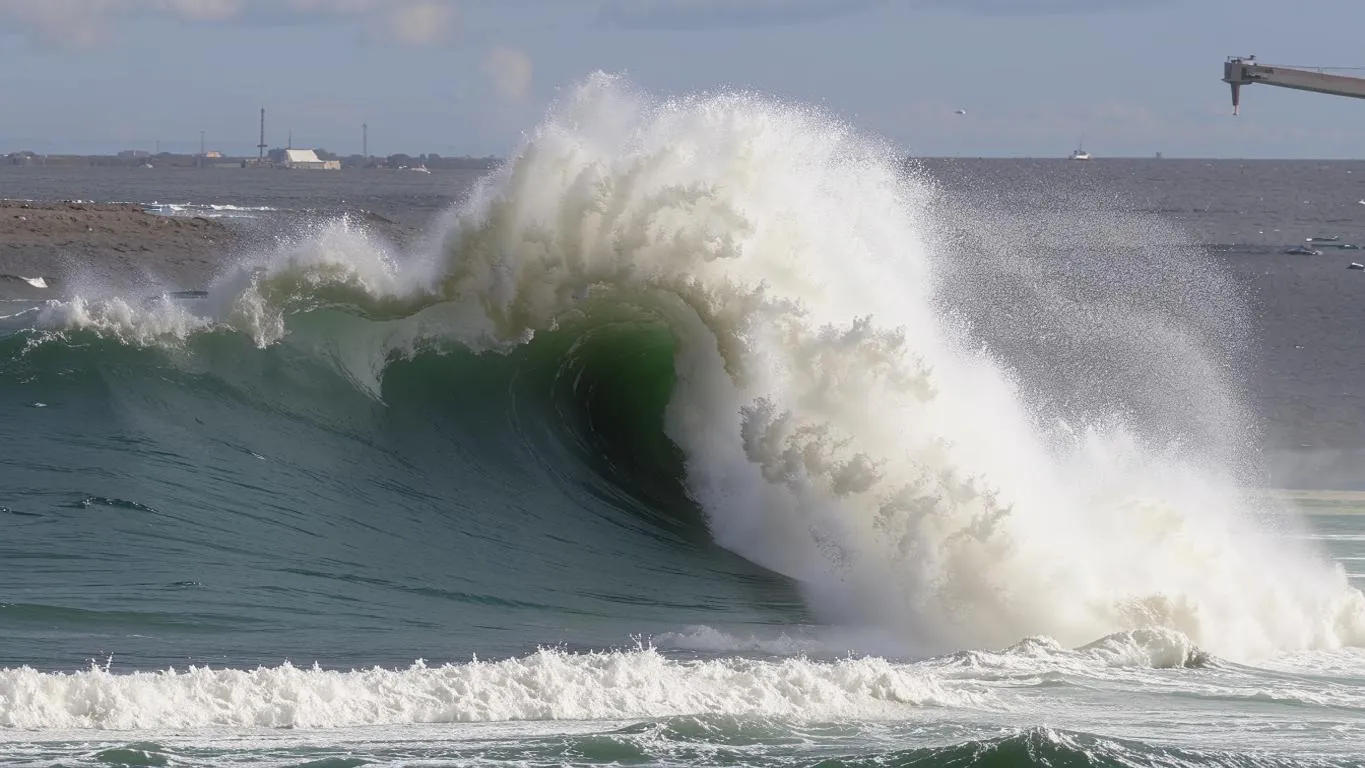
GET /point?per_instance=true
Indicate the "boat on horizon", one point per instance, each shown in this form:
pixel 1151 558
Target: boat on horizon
pixel 1079 152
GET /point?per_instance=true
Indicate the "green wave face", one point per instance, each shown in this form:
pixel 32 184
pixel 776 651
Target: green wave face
pixel 233 501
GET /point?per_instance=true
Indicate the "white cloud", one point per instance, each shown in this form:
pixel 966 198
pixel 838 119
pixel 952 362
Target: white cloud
pixel 700 14
pixel 205 10
pixel 334 6
pixel 707 14
pixel 431 22
pixel 64 22
pixel 510 70
pixel 1043 7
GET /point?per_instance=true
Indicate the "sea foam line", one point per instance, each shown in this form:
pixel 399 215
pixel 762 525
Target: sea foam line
pixel 546 685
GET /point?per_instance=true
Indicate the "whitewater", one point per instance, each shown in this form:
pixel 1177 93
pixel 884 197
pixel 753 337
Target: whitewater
pixel 747 309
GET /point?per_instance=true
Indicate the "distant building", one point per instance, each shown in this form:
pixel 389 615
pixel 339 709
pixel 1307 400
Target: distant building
pixel 213 154
pixel 134 154
pixel 307 159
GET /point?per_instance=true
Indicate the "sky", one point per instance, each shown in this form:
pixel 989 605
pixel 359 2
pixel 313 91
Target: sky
pixel 469 77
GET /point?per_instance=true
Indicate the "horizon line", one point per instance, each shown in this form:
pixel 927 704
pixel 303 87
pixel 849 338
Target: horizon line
pixel 906 156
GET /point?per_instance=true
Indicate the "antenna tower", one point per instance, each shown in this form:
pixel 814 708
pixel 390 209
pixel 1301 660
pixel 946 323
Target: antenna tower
pixel 260 148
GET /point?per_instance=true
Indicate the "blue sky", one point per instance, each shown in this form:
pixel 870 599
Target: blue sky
pixel 1129 77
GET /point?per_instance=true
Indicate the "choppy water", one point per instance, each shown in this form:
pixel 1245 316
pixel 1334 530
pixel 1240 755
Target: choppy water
pixel 704 432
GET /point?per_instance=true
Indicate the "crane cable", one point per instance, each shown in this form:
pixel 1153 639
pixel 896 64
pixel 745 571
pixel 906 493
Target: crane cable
pixel 1317 69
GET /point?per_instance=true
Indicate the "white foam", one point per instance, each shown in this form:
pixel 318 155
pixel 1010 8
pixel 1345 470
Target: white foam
pixel 206 210
pixel 836 428
pixel 159 323
pixel 333 263
pixel 548 685
pixel 1152 648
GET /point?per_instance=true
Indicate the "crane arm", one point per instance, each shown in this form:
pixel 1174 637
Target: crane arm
pixel 1239 71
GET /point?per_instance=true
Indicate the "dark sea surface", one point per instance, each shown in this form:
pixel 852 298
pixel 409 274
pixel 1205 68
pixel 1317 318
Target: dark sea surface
pixel 700 435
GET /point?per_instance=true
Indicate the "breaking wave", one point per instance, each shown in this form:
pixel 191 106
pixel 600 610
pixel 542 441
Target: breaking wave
pixel 763 309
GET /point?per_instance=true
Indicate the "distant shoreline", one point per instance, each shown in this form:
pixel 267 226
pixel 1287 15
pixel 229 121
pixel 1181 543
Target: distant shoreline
pixel 432 161
pixel 138 159
pixel 50 248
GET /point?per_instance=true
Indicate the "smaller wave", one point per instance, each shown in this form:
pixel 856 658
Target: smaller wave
pixel 1146 648
pixel 140 754
pixel 1144 657
pixel 334 263
pixel 160 323
pixel 1155 647
pixel 547 685
pixel 1051 747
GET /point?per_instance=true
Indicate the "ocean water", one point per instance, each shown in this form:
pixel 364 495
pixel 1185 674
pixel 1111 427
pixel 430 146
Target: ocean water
pixel 705 431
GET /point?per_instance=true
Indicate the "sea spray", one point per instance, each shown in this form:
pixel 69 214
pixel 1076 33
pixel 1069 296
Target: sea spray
pixel 835 429
pixel 838 426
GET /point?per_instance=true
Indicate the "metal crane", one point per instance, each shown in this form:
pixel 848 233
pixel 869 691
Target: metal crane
pixel 1239 71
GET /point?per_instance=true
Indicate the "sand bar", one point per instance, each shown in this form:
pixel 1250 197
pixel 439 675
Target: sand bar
pixel 114 245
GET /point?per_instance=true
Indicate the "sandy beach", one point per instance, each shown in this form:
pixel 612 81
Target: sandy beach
pixel 112 246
